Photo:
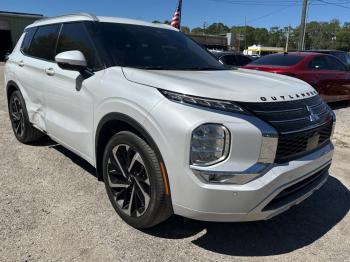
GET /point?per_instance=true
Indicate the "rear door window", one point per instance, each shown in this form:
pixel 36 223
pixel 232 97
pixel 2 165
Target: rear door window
pixel 319 63
pixel 74 36
pixel 44 42
pixel 278 60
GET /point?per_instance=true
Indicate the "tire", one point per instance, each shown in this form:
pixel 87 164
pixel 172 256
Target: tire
pixel 141 182
pixel 22 128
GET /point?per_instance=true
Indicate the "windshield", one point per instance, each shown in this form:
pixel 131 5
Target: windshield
pixel 278 60
pixel 153 48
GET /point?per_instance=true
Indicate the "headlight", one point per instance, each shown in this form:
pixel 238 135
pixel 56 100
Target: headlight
pixel 210 144
pixel 203 102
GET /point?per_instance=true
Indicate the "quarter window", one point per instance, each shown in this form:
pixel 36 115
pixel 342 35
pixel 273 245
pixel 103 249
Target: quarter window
pixel 29 33
pixel 347 59
pixel 44 42
pixel 74 36
pixel 335 64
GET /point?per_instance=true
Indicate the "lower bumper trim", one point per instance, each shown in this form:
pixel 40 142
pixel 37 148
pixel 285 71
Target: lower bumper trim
pixel 292 193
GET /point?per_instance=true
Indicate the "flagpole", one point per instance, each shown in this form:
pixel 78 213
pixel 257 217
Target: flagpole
pixel 176 21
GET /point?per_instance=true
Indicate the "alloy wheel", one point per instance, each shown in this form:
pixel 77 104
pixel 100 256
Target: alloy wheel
pixel 128 180
pixel 17 117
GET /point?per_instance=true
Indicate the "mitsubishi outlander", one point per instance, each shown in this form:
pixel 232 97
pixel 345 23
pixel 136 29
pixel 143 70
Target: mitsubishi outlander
pixel 168 128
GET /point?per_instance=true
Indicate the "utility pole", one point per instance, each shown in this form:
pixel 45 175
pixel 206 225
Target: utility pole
pixel 287 41
pixel 239 41
pixel 303 25
pixel 245 32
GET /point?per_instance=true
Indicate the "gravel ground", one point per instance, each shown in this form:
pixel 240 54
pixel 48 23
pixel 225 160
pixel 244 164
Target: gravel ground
pixel 52 208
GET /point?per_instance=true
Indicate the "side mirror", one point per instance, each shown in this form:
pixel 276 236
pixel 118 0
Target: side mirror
pixel 71 60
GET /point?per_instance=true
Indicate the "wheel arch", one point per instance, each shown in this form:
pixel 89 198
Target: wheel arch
pixel 11 87
pixel 113 123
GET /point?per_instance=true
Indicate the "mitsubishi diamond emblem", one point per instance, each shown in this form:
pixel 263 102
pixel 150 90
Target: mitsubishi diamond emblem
pixel 312 115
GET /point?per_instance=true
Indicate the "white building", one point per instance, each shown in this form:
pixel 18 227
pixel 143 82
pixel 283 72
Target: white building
pixel 259 50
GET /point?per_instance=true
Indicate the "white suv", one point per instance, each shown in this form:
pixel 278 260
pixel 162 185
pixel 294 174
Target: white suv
pixel 168 128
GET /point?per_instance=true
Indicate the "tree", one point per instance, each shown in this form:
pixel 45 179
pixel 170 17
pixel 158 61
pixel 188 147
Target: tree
pixel 185 29
pixel 217 29
pixel 197 30
pixel 319 35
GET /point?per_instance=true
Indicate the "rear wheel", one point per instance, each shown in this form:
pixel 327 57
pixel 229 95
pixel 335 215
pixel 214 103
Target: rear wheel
pixel 22 128
pixel 134 182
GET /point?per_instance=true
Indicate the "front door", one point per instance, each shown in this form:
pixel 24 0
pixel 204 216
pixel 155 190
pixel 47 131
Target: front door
pixel 70 102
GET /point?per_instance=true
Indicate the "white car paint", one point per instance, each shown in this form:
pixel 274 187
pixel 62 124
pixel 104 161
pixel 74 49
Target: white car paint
pixel 230 84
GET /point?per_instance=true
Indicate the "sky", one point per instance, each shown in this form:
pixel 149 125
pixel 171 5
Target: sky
pixel 258 13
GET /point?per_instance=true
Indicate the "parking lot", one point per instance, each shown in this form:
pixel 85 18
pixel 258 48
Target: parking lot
pixel 52 208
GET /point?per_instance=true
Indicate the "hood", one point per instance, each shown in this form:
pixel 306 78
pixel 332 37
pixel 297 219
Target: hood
pixel 235 85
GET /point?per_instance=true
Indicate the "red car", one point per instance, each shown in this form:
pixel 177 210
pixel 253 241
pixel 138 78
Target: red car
pixel 326 73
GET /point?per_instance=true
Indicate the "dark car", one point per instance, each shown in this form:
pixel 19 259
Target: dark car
pixel 326 73
pixel 341 55
pixel 233 59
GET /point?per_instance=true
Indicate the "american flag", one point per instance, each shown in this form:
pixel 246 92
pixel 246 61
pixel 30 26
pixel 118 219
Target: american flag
pixel 176 21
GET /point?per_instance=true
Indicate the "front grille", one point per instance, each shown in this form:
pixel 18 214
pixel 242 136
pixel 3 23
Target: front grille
pixel 297 190
pixel 292 146
pixel 303 125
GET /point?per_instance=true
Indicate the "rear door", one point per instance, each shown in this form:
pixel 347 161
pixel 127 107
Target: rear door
pixel 38 53
pixel 341 86
pixel 70 110
pixel 318 75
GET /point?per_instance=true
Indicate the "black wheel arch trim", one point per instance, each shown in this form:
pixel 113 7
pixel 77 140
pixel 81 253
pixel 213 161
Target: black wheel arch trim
pixel 135 125
pixel 10 84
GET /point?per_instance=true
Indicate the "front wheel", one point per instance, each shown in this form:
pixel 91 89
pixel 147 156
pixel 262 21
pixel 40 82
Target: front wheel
pixel 134 181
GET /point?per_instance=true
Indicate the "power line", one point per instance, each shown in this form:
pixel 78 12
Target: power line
pixel 274 2
pixel 257 3
pixel 286 5
pixel 336 4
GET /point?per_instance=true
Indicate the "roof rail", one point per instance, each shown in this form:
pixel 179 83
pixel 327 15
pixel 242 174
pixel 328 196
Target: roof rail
pixel 92 16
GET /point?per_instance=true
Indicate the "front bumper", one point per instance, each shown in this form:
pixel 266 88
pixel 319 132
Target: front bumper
pixel 257 199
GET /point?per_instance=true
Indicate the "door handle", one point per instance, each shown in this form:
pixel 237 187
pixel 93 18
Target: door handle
pixel 21 63
pixel 50 71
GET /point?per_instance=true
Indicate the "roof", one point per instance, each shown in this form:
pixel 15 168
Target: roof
pixel 17 14
pixel 91 17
